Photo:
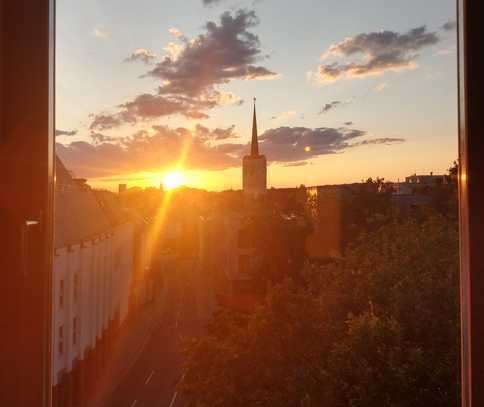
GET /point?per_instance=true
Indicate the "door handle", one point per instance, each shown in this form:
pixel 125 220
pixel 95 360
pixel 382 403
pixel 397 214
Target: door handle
pixel 27 228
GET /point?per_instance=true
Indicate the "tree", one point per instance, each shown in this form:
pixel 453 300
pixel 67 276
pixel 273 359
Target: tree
pixel 271 359
pixel 454 170
pixel 406 274
pixel 364 210
pixel 378 327
pixel 277 233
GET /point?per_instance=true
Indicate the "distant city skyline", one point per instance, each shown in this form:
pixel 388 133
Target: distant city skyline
pixel 344 91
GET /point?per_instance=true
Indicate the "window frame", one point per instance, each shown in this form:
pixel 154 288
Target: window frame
pixel 27 62
pixel 37 33
pixel 471 199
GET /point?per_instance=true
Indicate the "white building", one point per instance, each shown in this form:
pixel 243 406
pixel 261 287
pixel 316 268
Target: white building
pixel 427 179
pixel 92 278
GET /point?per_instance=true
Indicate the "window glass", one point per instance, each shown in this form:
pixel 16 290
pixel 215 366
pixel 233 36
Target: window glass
pixel 256 203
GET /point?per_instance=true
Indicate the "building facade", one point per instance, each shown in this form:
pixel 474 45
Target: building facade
pixel 431 179
pixel 95 278
pixel 229 256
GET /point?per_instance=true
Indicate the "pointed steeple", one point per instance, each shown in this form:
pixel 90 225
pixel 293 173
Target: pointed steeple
pixel 254 147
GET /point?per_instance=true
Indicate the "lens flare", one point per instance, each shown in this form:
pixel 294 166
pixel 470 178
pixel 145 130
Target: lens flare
pixel 173 180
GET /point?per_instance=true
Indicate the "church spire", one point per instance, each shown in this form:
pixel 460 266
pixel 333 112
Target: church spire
pixel 254 147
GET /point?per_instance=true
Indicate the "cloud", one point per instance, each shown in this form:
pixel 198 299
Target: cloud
pixel 204 148
pixel 296 144
pixel 284 115
pixel 381 87
pixel 141 54
pixel 175 32
pixel 151 150
pixel 444 52
pixel 99 138
pixel 333 105
pixel 382 52
pixel 228 98
pixel 226 51
pixel 450 25
pixel 383 140
pixel 100 33
pixel 59 132
pixel 205 134
pixel 211 2
pixel 348 123
pixel 297 164
pixel 330 106
pixel 208 3
pixel 147 107
pixel 290 144
pixel 192 71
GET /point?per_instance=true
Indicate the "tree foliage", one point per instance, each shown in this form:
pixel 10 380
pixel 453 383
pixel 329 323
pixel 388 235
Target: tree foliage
pixel 379 327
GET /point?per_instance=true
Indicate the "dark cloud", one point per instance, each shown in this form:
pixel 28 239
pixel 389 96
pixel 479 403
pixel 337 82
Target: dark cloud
pixel 450 25
pixel 290 144
pixel 105 121
pixel 148 107
pixel 226 51
pixel 383 140
pixel 329 106
pixel 204 148
pixel 298 144
pixel 204 133
pixel 99 138
pixel 382 51
pixel 143 55
pixel 211 2
pixel 333 105
pixel 348 123
pixel 297 164
pixel 59 132
pixel 192 71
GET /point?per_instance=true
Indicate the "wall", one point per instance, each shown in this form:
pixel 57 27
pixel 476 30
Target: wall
pixel 94 280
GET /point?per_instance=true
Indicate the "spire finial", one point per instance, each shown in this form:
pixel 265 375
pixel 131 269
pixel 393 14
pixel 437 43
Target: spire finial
pixel 254 148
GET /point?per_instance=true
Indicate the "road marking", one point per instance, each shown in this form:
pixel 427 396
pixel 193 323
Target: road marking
pixel 149 377
pixel 134 403
pixel 173 399
pixel 172 403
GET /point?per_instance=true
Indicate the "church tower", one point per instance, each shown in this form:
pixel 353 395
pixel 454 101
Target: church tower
pixel 254 170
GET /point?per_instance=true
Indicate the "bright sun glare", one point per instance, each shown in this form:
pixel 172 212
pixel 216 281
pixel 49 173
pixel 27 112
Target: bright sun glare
pixel 173 180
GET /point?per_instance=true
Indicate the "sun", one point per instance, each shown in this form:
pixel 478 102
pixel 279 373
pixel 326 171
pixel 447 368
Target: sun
pixel 173 180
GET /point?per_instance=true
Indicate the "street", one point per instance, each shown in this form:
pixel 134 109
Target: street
pixel 152 379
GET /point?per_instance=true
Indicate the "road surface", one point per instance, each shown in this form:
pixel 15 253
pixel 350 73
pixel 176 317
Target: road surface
pixel 152 379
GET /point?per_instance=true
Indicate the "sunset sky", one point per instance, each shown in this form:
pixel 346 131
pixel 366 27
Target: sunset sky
pixel 345 89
